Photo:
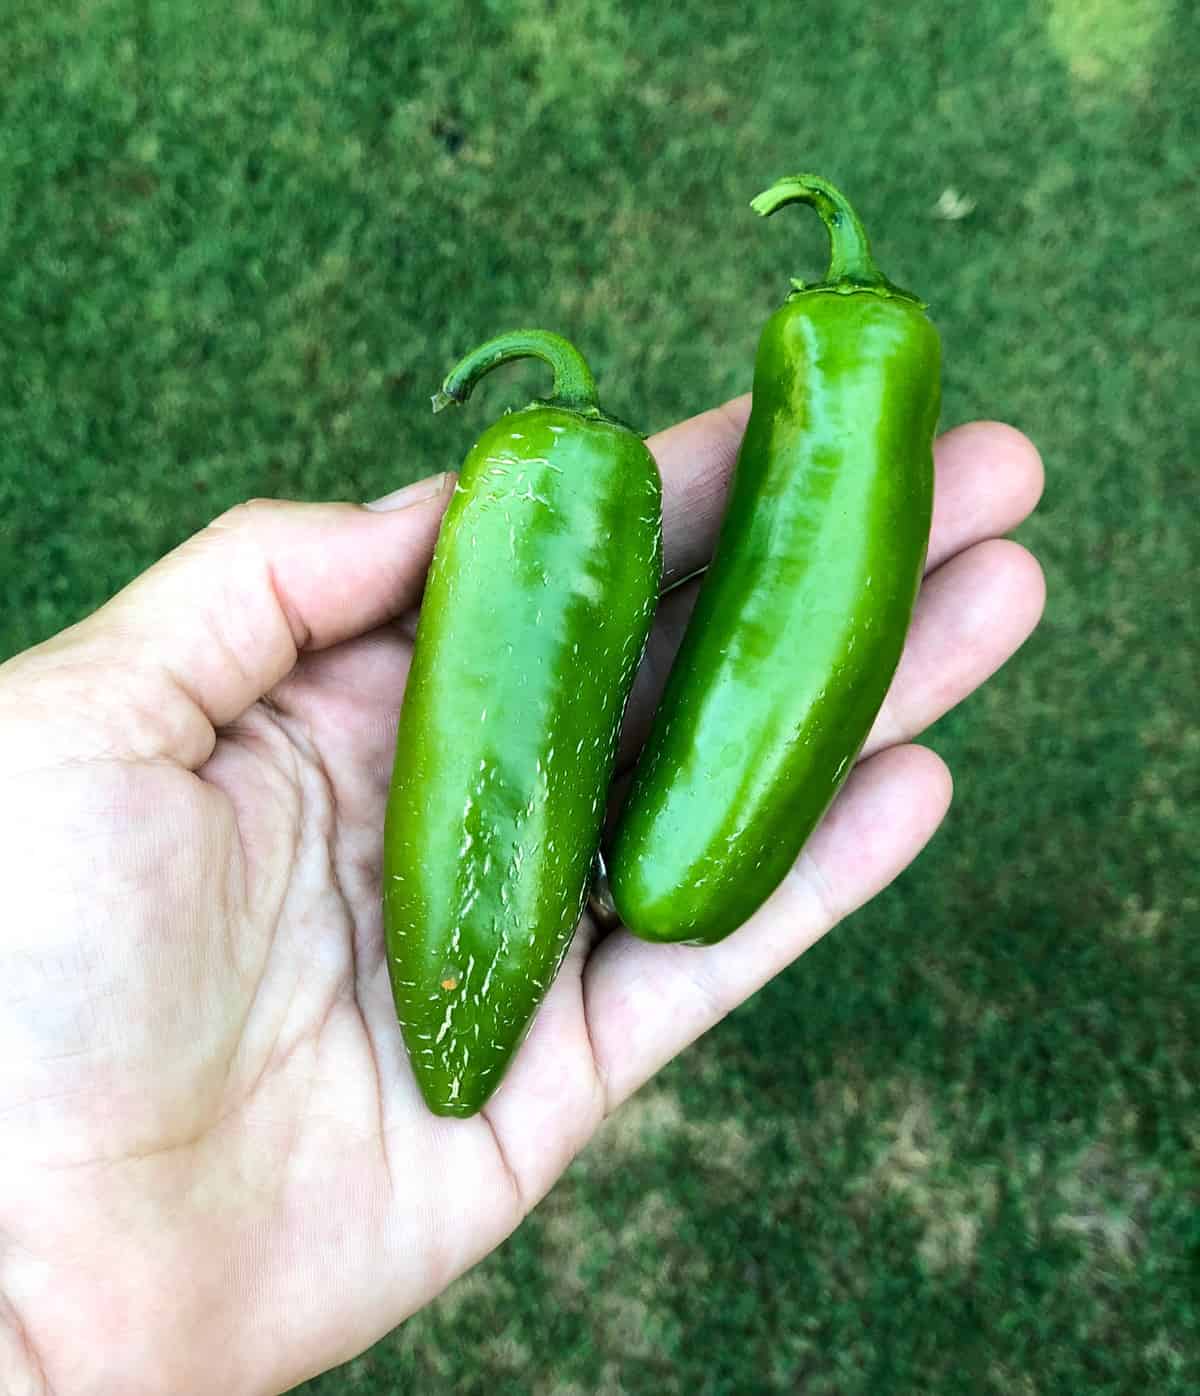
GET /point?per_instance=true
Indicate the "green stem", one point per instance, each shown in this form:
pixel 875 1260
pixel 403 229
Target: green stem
pixel 574 387
pixel 851 266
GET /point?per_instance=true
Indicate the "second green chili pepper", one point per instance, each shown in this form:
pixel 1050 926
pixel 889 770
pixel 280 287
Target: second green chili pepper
pixel 539 601
pixel 802 616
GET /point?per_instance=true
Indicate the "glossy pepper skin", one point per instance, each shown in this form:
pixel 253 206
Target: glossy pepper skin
pixel 802 616
pixel 539 601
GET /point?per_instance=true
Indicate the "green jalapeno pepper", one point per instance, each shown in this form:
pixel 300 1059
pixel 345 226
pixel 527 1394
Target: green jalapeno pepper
pixel 539 600
pixel 801 619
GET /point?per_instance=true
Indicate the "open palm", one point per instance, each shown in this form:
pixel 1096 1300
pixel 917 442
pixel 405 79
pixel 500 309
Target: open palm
pixel 217 1173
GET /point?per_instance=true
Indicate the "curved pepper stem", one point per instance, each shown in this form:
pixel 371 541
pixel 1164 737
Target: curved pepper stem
pixel 574 387
pixel 851 265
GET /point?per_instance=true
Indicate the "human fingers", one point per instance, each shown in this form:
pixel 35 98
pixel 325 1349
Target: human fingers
pixel 646 1002
pixel 193 642
pixel 987 478
pixel 972 615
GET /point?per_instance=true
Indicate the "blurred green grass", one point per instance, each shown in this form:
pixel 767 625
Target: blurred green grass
pixel 956 1148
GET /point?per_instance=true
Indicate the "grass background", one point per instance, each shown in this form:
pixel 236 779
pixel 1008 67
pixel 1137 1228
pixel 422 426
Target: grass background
pixel 956 1148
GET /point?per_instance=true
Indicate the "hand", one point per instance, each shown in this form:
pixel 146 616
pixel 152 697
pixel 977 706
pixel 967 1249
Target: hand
pixel 217 1174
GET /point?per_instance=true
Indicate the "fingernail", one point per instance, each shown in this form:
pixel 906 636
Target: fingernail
pixel 411 494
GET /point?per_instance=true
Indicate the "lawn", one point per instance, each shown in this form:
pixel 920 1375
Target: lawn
pixel 955 1149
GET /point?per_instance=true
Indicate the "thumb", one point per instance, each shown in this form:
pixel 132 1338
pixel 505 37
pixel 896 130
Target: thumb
pixel 197 639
